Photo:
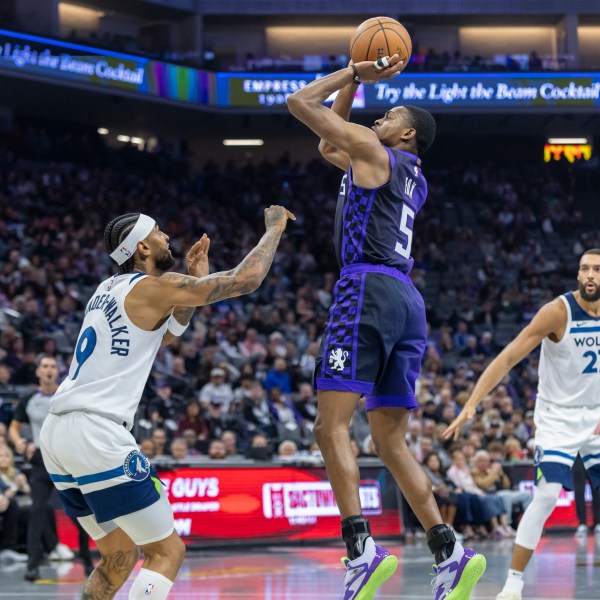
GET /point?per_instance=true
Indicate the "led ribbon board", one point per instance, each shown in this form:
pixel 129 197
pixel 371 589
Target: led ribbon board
pixel 63 61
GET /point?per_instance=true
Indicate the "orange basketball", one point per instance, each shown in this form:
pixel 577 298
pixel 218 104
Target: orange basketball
pixel 380 36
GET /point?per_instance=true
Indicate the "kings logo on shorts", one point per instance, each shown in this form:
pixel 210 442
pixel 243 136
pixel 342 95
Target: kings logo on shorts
pixel 337 358
pixel 137 466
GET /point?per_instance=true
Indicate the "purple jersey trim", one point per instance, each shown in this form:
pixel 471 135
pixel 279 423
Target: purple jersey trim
pixel 407 401
pixel 392 157
pixel 356 268
pixel 356 324
pixel 363 232
pixel 344 385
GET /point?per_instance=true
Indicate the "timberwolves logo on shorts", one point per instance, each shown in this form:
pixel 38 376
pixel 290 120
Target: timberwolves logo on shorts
pixel 137 466
pixel 538 454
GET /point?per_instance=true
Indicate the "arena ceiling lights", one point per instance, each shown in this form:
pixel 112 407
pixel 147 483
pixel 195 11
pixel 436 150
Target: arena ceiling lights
pixel 241 142
pixel 568 140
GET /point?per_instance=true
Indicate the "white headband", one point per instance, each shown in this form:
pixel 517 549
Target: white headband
pixel 128 246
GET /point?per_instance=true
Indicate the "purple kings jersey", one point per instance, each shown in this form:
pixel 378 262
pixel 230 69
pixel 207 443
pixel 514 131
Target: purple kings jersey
pixel 376 225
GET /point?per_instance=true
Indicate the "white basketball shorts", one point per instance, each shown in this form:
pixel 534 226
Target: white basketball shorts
pixel 103 479
pixel 561 433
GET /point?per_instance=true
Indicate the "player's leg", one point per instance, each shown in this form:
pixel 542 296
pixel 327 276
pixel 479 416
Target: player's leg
pixel 368 566
pixel 528 536
pixel 458 569
pixel 153 530
pixel 332 434
pixel 579 477
pixel 347 366
pixel 41 489
pixel 118 556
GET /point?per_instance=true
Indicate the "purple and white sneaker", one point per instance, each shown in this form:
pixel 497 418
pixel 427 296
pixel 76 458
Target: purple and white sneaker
pixel 456 577
pixel 365 574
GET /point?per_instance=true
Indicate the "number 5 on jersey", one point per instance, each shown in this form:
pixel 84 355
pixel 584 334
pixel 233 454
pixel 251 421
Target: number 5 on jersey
pixel 406 230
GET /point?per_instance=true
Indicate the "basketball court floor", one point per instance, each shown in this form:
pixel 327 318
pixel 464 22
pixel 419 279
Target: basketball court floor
pixel 564 568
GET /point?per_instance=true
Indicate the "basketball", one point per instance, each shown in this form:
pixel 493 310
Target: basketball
pixel 380 36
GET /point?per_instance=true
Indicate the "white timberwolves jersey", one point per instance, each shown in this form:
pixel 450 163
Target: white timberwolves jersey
pixel 112 358
pixel 569 371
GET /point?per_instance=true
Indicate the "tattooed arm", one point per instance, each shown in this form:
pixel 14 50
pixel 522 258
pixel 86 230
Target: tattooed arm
pixel 197 264
pixel 174 289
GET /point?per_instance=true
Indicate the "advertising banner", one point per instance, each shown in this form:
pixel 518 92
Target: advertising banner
pixel 221 506
pixel 442 91
pixel 64 61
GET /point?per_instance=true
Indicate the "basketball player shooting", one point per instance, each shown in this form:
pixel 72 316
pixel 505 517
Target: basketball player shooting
pixel 103 479
pixel 567 409
pixel 376 334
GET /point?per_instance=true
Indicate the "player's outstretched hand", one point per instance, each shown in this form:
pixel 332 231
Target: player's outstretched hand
pixel 277 216
pixel 454 429
pixel 383 68
pixel 197 257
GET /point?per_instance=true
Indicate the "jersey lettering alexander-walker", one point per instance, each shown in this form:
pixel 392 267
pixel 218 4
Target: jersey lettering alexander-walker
pixel 376 225
pixel 569 371
pixel 112 358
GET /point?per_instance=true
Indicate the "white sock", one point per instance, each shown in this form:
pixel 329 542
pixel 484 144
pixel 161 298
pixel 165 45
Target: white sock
pixel 514 582
pixel 150 585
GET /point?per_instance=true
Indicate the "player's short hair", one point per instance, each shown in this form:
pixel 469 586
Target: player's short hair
pixel 591 251
pixel 424 124
pixel 116 231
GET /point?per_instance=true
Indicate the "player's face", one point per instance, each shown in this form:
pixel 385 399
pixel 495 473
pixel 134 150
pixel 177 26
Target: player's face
pixel 47 372
pixel 588 277
pixel 163 259
pixel 390 127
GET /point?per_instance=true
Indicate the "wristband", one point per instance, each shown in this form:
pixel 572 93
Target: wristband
pixel 356 76
pixel 175 327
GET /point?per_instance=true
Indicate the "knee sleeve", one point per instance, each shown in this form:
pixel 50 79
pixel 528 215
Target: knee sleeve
pixel 532 524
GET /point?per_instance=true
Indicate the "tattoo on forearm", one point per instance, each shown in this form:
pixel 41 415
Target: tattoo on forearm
pixel 183 314
pixel 110 574
pixel 228 285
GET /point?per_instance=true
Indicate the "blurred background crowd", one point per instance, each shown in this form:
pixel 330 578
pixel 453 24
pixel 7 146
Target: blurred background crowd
pixel 492 244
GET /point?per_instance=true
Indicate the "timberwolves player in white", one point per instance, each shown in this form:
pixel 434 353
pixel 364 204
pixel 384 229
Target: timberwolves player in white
pixel 92 458
pixel 567 411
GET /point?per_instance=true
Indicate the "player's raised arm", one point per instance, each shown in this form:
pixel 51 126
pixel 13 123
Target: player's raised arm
pixel 342 105
pixel 307 106
pixel 175 289
pixel 548 322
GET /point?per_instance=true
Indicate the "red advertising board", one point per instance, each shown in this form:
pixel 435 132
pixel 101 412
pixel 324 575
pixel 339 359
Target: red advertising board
pixel 216 505
pixel 287 503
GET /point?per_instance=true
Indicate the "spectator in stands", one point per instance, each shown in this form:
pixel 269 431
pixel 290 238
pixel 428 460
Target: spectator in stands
pixel 493 511
pixel 229 438
pixel 278 377
pixel 159 438
pixel 9 526
pixel 193 419
pixel 259 448
pixel 287 449
pixel 414 438
pixel 257 412
pixel 217 450
pixel 453 502
pixel 217 391
pixel 148 448
pixel 15 480
pixel 179 449
pixel 491 478
pixel 306 403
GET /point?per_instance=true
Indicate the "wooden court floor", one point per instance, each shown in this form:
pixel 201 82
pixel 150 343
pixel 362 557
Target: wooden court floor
pixel 564 568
